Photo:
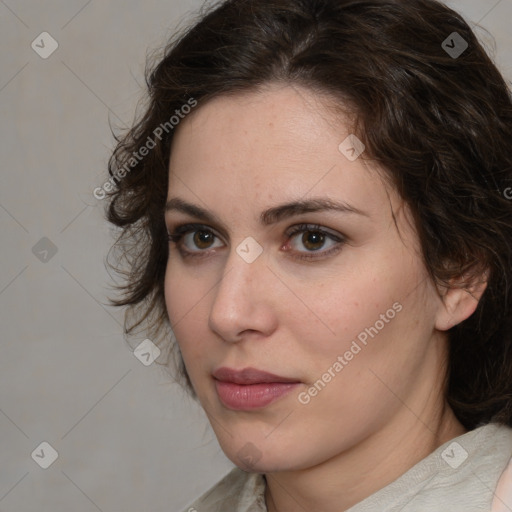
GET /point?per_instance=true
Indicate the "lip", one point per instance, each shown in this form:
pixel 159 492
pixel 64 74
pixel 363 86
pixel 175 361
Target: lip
pixel 250 388
pixel 248 376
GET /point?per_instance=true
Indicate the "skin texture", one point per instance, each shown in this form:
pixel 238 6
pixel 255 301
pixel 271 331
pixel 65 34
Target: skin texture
pixel 237 156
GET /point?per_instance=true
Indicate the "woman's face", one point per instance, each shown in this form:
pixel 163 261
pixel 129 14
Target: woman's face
pixel 335 301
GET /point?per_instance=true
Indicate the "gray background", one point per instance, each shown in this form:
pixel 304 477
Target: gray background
pixel 127 438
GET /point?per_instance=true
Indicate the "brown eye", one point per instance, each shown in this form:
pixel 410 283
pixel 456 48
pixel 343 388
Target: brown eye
pixel 203 239
pixel 196 239
pixel 313 240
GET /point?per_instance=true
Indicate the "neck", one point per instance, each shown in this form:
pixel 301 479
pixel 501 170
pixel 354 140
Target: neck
pixel 346 479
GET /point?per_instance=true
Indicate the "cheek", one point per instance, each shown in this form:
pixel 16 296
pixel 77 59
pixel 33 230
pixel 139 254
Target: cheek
pixel 365 314
pixel 343 307
pixel 176 296
pixel 185 291
pixel 186 300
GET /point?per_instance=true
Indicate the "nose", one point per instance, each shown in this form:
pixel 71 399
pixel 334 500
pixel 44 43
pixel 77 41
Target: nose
pixel 244 301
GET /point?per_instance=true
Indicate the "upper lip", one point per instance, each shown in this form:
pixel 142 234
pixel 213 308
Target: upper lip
pixel 248 376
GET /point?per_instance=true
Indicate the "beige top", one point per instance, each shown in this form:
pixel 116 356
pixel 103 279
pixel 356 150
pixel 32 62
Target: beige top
pixel 470 473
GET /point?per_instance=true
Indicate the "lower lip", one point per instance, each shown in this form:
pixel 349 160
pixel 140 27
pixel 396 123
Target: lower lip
pixel 251 396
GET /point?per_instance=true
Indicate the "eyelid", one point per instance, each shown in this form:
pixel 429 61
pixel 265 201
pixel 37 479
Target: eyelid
pixel 181 230
pixel 292 230
pixel 190 227
pixel 299 228
pixel 319 255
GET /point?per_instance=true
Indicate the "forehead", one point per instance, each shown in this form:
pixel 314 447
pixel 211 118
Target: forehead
pixel 276 144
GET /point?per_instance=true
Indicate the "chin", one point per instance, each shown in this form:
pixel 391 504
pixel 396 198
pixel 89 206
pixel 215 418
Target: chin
pixel 262 466
pixel 256 457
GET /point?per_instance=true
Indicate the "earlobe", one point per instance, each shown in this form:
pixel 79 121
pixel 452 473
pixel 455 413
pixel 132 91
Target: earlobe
pixel 459 301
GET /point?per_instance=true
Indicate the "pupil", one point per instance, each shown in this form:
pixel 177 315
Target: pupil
pixel 203 239
pixel 313 240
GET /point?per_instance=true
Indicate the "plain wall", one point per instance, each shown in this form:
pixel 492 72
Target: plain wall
pixel 127 439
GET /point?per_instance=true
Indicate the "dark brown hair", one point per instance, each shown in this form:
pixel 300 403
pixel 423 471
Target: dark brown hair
pixel 439 123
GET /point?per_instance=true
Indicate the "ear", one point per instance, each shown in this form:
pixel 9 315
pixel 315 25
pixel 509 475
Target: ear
pixel 459 300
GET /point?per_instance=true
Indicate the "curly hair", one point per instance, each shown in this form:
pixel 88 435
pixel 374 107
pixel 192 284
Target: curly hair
pixel 439 123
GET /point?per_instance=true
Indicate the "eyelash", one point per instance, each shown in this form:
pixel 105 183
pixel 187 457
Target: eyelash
pixel 180 231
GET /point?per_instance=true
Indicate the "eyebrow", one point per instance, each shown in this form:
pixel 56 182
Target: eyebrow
pixel 270 216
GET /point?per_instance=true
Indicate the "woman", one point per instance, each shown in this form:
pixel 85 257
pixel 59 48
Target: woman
pixel 313 207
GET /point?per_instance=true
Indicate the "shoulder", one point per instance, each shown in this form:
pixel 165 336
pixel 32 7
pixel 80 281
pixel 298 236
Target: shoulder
pixel 238 491
pixel 463 474
pixel 479 467
pixel 502 501
pixel 488 471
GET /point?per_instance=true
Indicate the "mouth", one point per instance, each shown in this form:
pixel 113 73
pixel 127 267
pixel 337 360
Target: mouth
pixel 250 388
